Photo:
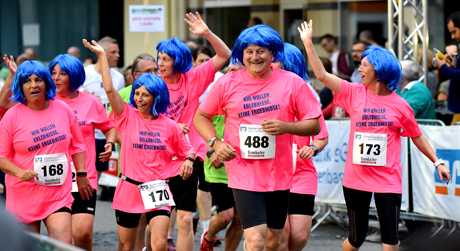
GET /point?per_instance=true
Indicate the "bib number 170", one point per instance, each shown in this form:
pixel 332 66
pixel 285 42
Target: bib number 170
pixel 159 195
pixel 256 142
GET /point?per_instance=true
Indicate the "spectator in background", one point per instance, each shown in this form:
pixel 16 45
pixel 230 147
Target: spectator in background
pixel 143 63
pixel 357 50
pixel 128 75
pixel 30 53
pixel 340 60
pixel 367 36
pixel 255 21
pixel 415 92
pixel 88 61
pixel 74 51
pixel 442 112
pixel 452 72
pixel 93 82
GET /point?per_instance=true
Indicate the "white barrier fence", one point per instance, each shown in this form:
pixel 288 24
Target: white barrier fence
pixel 429 197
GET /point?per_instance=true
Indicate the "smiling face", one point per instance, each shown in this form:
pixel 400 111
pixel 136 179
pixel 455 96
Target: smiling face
pixel 257 60
pixel 34 89
pixel 367 72
pixel 143 100
pixel 61 79
pixel 165 65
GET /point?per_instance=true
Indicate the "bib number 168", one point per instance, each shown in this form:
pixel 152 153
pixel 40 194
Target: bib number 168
pixel 52 170
pixel 256 142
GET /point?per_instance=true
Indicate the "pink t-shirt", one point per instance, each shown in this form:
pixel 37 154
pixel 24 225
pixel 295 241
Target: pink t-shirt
pixel 243 99
pixel 389 115
pixel 184 97
pixel 305 179
pixel 150 150
pixel 90 115
pixel 26 133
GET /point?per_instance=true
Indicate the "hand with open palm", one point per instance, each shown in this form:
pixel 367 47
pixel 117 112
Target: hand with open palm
pixel 196 24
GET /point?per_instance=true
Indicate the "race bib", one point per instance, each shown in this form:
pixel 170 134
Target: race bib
pixel 255 143
pixel 51 169
pixel 370 149
pixel 156 194
pixel 74 178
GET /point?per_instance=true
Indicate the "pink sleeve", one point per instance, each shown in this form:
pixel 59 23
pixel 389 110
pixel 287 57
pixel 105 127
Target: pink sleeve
pixel 344 96
pixel 120 120
pixel 102 122
pixel 202 76
pixel 305 103
pixel 212 105
pixel 77 144
pixel 183 148
pixel 409 125
pixel 323 133
pixel 6 134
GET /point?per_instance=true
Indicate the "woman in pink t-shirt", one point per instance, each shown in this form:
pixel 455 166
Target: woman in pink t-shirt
pixel 68 74
pixel 379 117
pixel 40 139
pixel 186 85
pixel 153 149
pixel 263 107
pixel 305 181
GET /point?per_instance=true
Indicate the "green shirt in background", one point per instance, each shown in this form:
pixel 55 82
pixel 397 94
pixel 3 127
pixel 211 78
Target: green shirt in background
pixel 212 174
pixel 125 93
pixel 420 100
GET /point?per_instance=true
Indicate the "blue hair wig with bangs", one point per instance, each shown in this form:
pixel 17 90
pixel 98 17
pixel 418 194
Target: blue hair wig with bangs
pixel 178 51
pixel 261 35
pixel 386 66
pixel 157 88
pixel 27 69
pixel 294 61
pixel 72 66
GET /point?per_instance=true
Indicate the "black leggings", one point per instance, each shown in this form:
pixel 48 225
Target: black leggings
pixel 388 208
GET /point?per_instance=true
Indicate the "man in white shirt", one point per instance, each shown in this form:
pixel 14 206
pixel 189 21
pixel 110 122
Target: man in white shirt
pixel 93 82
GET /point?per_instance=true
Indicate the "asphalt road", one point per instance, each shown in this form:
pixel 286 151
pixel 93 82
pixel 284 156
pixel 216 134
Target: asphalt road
pixel 327 237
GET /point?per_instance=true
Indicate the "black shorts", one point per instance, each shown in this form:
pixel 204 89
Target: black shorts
pixel 388 209
pixel 301 204
pixel 80 206
pixel 203 185
pixel 63 210
pixel 131 220
pixel 257 208
pixel 184 191
pixel 222 196
pixel 101 166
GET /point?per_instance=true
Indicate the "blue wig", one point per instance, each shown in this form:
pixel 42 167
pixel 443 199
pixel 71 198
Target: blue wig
pixel 386 66
pixel 27 69
pixel 157 88
pixel 72 66
pixel 294 61
pixel 178 51
pixel 261 35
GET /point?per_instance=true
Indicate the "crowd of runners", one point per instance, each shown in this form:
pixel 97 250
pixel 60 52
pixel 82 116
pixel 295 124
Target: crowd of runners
pixel 188 131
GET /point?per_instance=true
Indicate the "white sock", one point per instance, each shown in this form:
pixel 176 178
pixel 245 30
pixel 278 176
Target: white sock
pixel 204 225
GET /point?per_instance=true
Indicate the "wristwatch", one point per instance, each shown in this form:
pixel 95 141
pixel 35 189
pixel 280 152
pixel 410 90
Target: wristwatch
pixel 315 149
pixel 439 162
pixel 212 141
pixel 82 174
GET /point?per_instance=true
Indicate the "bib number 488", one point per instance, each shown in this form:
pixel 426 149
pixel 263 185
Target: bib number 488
pixel 256 142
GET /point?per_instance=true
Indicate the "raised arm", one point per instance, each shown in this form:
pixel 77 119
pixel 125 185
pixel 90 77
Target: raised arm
pixel 328 79
pixel 115 100
pixel 199 27
pixel 5 92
